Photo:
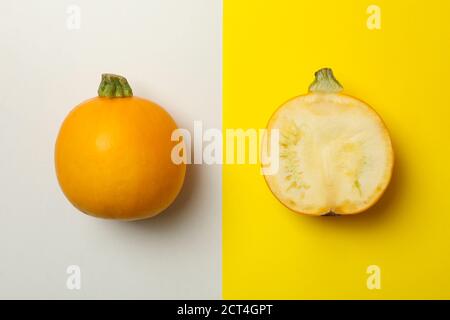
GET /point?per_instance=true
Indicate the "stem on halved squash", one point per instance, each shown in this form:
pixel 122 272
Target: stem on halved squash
pixel 325 82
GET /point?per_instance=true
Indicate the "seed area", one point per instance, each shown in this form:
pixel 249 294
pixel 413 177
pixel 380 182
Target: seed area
pixel 291 135
pixel 358 157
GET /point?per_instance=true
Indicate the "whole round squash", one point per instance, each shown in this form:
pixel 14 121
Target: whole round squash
pixel 113 155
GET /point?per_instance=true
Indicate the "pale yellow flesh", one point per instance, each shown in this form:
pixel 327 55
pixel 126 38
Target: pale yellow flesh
pixel 335 155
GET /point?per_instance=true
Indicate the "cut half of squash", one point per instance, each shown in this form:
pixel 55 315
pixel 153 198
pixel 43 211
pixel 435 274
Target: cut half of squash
pixel 335 153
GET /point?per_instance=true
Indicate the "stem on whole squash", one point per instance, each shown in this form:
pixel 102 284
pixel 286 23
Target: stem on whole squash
pixel 114 86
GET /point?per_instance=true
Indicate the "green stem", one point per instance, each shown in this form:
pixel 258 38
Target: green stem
pixel 114 86
pixel 325 82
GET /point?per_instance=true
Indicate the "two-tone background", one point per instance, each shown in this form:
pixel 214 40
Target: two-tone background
pixel 229 64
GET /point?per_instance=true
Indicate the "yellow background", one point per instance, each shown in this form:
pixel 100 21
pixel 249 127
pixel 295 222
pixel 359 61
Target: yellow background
pixel 271 50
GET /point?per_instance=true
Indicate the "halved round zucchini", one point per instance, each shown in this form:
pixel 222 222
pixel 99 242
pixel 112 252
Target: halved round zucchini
pixel 335 153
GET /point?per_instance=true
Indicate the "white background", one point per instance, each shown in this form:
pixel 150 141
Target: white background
pixel 170 52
